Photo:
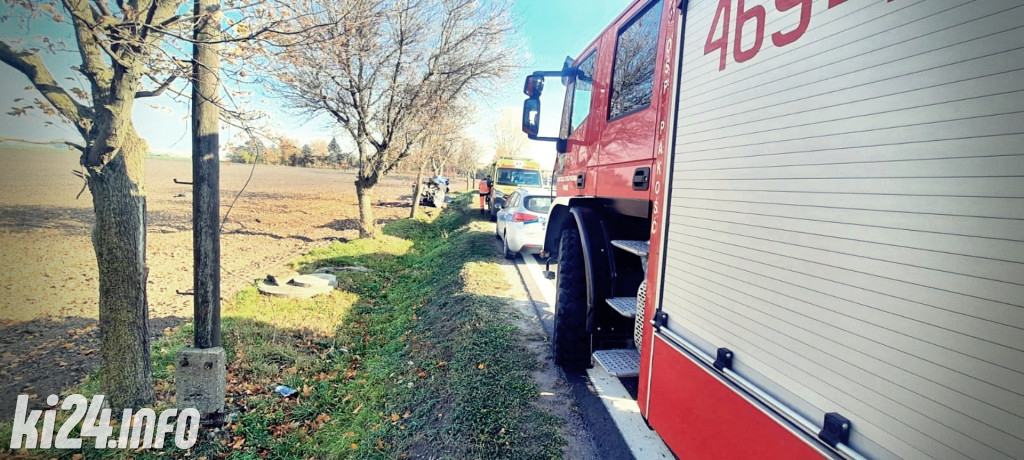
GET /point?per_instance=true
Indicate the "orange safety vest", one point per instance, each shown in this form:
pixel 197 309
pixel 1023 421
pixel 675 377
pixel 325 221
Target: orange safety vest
pixel 484 188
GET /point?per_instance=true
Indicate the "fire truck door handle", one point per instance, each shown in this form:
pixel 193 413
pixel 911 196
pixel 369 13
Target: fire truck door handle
pixel 581 180
pixel 642 178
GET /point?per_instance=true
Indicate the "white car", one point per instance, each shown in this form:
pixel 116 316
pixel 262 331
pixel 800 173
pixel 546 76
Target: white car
pixel 522 221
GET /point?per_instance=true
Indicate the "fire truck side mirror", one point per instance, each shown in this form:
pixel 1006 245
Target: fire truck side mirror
pixel 534 86
pixel 531 116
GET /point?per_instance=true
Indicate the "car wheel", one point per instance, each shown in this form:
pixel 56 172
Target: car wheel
pixel 506 251
pixel 570 342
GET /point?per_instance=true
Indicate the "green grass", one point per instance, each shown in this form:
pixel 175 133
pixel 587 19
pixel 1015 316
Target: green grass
pixel 418 358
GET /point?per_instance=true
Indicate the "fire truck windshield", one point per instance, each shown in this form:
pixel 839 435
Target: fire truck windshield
pixel 526 177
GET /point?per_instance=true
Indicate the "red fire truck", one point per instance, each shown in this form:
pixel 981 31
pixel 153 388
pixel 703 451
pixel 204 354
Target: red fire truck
pixel 800 223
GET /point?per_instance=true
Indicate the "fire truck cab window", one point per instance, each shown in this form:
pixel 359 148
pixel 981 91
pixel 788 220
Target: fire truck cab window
pixel 582 87
pixel 633 74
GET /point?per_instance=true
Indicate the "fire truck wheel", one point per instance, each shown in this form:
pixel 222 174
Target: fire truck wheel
pixel 570 343
pixel 638 323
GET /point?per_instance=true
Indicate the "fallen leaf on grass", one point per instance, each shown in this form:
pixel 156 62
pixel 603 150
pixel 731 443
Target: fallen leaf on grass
pixel 480 366
pixel 357 409
pixel 394 417
pixel 406 414
pixel 354 446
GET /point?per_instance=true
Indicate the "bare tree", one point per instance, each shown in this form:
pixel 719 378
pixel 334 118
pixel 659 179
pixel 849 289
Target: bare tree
pixel 389 69
pixel 128 50
pixel 466 160
pixel 115 47
pixel 509 141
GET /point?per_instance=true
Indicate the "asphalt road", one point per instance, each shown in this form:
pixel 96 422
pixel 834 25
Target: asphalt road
pixel 607 405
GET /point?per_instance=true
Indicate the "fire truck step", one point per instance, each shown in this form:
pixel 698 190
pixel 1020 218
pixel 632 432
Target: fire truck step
pixel 624 362
pixel 626 306
pixel 640 248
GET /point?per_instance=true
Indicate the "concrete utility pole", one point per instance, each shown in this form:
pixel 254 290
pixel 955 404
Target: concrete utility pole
pixel 201 370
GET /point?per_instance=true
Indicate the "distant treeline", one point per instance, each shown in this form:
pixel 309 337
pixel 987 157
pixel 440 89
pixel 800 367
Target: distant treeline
pixel 317 154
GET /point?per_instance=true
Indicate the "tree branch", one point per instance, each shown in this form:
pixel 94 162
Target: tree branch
pixel 103 7
pixel 27 141
pixel 93 66
pixel 158 91
pixel 35 70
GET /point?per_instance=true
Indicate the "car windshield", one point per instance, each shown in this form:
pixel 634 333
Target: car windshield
pixel 539 204
pixel 511 176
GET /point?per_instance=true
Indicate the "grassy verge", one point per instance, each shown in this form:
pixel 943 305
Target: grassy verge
pixel 417 358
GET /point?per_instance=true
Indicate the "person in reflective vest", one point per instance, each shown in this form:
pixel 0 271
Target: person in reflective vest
pixel 485 191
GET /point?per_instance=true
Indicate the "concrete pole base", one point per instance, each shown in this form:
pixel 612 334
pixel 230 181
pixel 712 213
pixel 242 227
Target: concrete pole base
pixel 200 382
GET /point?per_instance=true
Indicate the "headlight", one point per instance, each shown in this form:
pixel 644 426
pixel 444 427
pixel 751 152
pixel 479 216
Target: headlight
pixel 498 194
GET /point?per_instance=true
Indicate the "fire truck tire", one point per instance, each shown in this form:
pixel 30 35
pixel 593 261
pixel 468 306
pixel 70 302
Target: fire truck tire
pixel 570 344
pixel 638 323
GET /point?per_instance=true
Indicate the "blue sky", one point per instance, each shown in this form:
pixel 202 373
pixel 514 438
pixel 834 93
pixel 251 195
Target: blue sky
pixel 551 30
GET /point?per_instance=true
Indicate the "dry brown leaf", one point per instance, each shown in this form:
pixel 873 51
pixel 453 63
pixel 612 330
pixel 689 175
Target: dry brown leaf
pixel 357 409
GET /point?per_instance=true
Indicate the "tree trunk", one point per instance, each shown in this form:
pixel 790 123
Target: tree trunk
pixel 367 229
pixel 119 239
pixel 417 192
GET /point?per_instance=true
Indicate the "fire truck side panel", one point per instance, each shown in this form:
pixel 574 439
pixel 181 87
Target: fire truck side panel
pixel 846 211
pixel 701 418
pixel 665 95
pixel 581 149
pixel 627 139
